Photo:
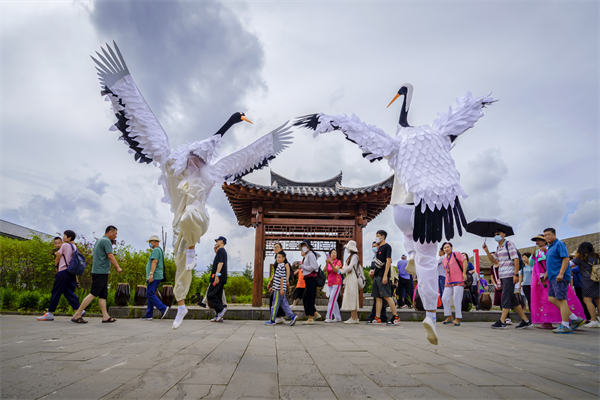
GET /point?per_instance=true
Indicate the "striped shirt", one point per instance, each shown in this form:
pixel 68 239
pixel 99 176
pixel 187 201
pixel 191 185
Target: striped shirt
pixel 279 278
pixel 506 267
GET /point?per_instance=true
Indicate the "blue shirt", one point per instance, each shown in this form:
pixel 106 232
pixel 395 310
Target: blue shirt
pixel 557 251
pixel 576 276
pixel 402 269
pixel 527 270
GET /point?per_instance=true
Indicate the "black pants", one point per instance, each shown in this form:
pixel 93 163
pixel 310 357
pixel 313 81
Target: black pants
pixel 527 291
pixel 404 292
pixel 215 296
pixel 64 283
pixel 475 296
pixel 310 295
pixel 280 312
pixel 579 293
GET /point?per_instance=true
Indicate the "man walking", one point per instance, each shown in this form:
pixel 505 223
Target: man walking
pixel 508 266
pixel 103 258
pixel 382 288
pixel 218 279
pixel 404 284
pixel 154 275
pixel 559 277
pixel 375 248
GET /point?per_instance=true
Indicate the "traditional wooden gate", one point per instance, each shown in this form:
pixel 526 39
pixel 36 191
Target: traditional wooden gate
pixel 288 212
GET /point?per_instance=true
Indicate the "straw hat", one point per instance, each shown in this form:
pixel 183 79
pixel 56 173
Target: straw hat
pixel 540 237
pixel 351 246
pixel 153 237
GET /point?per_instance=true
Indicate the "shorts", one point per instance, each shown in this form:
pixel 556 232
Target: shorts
pixel 509 298
pixel 558 290
pixel 99 286
pixel 379 289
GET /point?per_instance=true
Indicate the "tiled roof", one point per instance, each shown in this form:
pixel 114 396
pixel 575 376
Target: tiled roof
pixel 20 232
pixel 331 187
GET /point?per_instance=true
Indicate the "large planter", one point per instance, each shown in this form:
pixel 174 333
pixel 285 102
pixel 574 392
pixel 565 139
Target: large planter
pixel 485 301
pixel 140 295
pixel 122 295
pixel 167 295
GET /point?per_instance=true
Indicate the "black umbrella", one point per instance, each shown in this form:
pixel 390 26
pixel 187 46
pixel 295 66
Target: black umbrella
pixel 485 227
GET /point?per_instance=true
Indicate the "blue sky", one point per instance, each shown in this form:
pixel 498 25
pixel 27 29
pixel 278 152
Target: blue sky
pixel 532 160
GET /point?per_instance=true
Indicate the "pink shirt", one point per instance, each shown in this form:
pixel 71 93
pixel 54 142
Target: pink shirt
pixel 333 278
pixel 67 251
pixel 454 275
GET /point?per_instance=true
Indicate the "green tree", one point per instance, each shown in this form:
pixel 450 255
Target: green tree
pixel 248 272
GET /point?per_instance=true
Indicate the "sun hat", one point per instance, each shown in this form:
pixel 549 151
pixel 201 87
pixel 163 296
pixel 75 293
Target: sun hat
pixel 540 237
pixel 153 237
pixel 306 242
pixel 351 246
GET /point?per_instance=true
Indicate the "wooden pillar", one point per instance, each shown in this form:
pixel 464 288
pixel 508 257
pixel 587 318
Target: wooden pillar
pixel 358 238
pixel 259 256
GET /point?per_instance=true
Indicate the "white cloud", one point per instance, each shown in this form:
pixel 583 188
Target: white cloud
pixel 586 218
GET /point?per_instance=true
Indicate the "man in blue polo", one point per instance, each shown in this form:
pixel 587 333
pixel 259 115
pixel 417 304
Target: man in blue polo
pixel 559 277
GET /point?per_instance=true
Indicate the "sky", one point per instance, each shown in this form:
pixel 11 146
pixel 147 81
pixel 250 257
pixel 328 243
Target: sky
pixel 531 161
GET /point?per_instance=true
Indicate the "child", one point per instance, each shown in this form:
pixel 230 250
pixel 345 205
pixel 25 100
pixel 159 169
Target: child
pixel 279 281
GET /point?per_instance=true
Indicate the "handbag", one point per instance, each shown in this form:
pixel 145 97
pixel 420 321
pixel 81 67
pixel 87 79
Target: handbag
pixel 469 280
pixel 360 275
pixel 320 278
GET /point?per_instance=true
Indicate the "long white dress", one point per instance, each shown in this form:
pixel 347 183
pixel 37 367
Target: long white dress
pixel 350 300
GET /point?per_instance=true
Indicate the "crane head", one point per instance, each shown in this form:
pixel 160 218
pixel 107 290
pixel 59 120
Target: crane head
pixel 406 90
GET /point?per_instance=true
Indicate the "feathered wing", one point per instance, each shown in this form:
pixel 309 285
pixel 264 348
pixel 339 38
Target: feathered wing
pixel 140 129
pixel 424 166
pixel 373 141
pixel 459 119
pixel 255 156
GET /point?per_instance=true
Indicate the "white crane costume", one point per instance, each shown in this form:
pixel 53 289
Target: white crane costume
pixel 427 187
pixel 189 173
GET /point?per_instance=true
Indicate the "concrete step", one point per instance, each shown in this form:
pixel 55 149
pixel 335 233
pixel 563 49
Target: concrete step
pixel 262 313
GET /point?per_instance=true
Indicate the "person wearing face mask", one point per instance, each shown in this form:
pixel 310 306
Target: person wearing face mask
pixel 309 268
pixel 375 249
pixel 508 273
pixel 154 275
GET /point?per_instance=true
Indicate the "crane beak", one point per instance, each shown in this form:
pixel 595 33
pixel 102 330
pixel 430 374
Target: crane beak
pixel 394 99
pixel 247 120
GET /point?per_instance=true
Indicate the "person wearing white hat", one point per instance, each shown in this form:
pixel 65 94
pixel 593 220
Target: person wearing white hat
pixel 350 301
pixel 154 275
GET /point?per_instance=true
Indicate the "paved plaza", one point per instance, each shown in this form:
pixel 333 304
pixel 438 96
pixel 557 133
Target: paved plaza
pixel 132 359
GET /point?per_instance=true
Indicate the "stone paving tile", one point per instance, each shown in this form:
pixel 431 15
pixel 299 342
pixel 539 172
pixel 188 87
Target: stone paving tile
pixel 134 359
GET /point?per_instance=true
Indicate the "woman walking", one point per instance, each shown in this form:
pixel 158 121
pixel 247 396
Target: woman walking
pixel 350 301
pixel 309 268
pixel 456 266
pixel 585 258
pixel 334 281
pixel 300 285
pixel 525 278
pixel 64 282
pixel 542 311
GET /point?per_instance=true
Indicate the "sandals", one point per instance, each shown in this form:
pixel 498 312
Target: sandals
pixel 455 324
pixel 109 321
pixel 79 320
pixel 448 322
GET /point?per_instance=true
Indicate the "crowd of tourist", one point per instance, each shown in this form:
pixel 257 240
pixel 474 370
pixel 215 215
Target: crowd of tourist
pixel 555 286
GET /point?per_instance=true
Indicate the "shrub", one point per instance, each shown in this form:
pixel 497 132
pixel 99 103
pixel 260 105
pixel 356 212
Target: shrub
pixel 29 300
pixel 63 304
pixel 110 299
pixel 7 298
pixel 238 285
pixel 44 302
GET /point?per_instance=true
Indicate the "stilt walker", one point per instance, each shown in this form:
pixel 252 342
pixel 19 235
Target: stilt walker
pixel 189 173
pixel 426 188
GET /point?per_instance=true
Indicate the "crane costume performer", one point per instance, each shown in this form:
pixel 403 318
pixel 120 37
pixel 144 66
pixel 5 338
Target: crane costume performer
pixel 426 190
pixel 189 173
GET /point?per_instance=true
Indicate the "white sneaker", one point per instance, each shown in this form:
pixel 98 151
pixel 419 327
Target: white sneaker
pixel 328 321
pixel 337 320
pixel 317 316
pixel 508 321
pixel 179 319
pixel 146 319
pixel 349 321
pixel 279 320
pixel 47 317
pixel 592 324
pixel 431 332
pixel 222 313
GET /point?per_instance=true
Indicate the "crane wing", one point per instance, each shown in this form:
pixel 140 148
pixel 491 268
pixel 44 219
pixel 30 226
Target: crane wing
pixel 373 141
pixel 459 119
pixel 139 128
pixel 255 156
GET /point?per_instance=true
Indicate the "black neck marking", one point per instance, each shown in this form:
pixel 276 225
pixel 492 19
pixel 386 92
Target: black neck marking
pixel 404 114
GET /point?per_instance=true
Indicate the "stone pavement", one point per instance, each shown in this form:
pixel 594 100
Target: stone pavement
pixel 133 359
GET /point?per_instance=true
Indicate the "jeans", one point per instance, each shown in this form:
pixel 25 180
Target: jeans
pixel 153 300
pixel 64 283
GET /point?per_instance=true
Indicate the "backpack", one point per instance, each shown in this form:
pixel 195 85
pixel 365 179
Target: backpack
pixel 595 275
pixel 521 263
pixel 360 275
pixel 77 264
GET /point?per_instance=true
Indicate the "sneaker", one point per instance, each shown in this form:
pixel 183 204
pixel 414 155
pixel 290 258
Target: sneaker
pixel 269 322
pixel 293 321
pixel 337 320
pixel 217 319
pixel 592 324
pixel 376 321
pixel 47 317
pixel 146 319
pixel 317 316
pixel 83 313
pixel 508 321
pixel 395 321
pixel 279 320
pixel 222 313
pixel 524 325
pixel 431 332
pixel 565 330
pixel 349 321
pixel 308 322
pixel 499 325
pixel 328 321
pixel 164 314
pixel 576 323
pixel 369 321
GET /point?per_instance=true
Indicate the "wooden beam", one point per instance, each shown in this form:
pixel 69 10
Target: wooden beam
pixel 308 222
